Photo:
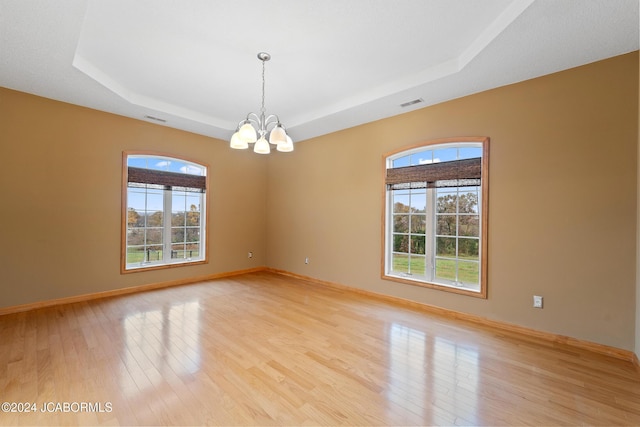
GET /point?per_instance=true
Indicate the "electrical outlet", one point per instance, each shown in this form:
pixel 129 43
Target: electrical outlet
pixel 537 301
pixel 306 260
pixel 250 255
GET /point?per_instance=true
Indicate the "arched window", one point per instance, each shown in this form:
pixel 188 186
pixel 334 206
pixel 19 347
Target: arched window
pixel 435 231
pixel 164 212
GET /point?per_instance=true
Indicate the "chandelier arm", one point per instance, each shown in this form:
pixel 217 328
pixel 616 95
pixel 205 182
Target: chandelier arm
pixel 252 118
pixel 272 120
pixel 243 121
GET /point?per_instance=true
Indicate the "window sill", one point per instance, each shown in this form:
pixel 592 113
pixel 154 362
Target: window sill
pixel 461 290
pixel 152 267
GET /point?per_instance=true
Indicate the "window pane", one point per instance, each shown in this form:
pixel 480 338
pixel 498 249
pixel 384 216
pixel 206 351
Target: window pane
pixel 192 170
pixel 182 167
pixel 470 189
pixel 469 225
pixel 401 223
pixel 178 219
pixel 178 202
pixel 155 200
pixel 135 254
pixel 154 253
pixel 136 199
pixel 154 219
pixel 193 203
pixel 417 245
pixel 192 250
pixel 400 243
pixel 468 272
pixel 446 246
pixel 445 155
pixel 422 157
pixel 154 236
pixel 158 163
pixel 468 248
pixel 446 202
pixel 418 201
pixel 400 202
pixel 177 235
pixel 193 235
pixel 135 236
pixel 417 265
pixel 470 152
pixel 177 251
pixel 138 162
pixel 418 224
pixel 175 166
pixel 134 219
pixel 401 162
pixel 193 218
pixel 445 269
pixel 185 251
pixel 468 202
pixel 400 263
pixel 446 225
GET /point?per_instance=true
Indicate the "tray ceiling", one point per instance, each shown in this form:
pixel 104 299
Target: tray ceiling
pixel 335 64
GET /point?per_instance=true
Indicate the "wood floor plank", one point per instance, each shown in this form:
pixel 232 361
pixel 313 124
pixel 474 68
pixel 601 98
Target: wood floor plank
pixel 267 349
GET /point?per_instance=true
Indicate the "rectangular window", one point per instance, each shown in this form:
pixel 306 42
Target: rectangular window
pixel 164 220
pixel 436 216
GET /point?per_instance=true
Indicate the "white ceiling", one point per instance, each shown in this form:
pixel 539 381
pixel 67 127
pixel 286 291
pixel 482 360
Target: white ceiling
pixel 335 63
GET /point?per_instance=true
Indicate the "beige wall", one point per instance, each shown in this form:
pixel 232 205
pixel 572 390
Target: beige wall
pixel 562 203
pixel 637 346
pixel 60 184
pixel 562 200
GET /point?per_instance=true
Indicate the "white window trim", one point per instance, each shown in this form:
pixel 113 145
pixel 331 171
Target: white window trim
pixel 167 261
pixel 387 235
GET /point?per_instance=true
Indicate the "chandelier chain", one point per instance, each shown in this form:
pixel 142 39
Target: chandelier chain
pixel 262 110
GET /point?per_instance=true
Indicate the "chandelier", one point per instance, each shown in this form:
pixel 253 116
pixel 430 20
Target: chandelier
pixel 254 128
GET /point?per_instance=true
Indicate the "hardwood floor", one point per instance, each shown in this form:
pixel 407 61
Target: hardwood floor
pixel 265 349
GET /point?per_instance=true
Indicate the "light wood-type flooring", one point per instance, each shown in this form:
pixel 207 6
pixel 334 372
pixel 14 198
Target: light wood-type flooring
pixel 266 349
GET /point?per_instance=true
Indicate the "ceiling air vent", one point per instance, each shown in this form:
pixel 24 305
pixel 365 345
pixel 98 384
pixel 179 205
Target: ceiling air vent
pixel 415 101
pixel 156 119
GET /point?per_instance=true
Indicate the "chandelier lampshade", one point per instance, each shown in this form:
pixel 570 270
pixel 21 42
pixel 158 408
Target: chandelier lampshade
pixel 262 146
pixel 278 135
pixel 247 133
pixel 237 142
pixel 286 146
